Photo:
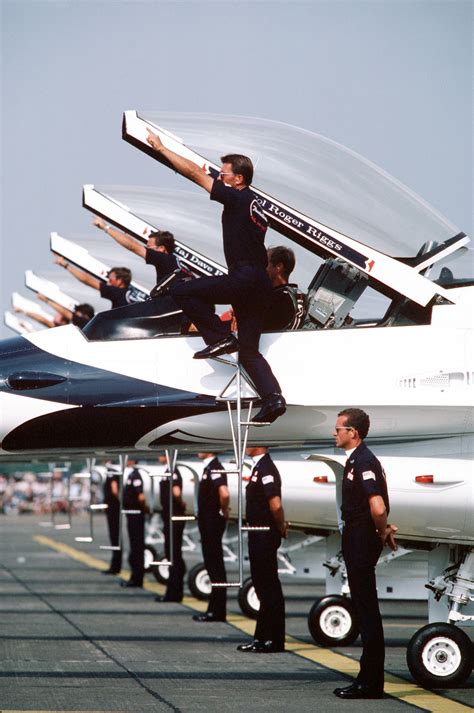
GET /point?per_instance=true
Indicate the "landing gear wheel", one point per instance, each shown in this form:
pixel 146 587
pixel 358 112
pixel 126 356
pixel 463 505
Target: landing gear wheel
pixel 160 572
pixel 199 582
pixel 331 621
pixel 440 655
pixel 150 556
pixel 248 600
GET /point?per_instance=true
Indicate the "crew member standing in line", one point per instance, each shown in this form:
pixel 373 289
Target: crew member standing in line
pixel 134 499
pixel 247 287
pixel 174 586
pixel 159 250
pixel 213 512
pixel 112 500
pixel 365 507
pixel 264 508
pixel 116 289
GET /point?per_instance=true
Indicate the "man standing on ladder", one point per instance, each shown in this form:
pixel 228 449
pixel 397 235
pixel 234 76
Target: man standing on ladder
pixel 264 510
pixel 213 512
pixel 247 287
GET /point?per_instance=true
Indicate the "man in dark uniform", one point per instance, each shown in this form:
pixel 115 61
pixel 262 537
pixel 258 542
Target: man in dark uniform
pixel 247 287
pixel 116 289
pixel 287 307
pixel 365 507
pixel 112 500
pixel 174 586
pixel 158 252
pixel 264 508
pixel 213 512
pixel 134 499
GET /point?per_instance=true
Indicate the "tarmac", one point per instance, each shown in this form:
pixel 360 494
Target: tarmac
pixel 72 640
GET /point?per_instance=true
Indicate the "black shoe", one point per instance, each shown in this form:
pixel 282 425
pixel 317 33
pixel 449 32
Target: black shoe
pixel 207 617
pixel 261 647
pixel 357 690
pixel 249 648
pixel 111 571
pixel 131 583
pixel 223 346
pixel 164 598
pixel 273 406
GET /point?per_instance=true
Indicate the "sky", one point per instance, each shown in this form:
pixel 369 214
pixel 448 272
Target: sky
pixel 390 79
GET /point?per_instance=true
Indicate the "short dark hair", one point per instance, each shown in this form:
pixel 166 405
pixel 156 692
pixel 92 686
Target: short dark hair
pixel 357 419
pixel 165 238
pixel 122 273
pixel 86 309
pixel 283 255
pixel 241 165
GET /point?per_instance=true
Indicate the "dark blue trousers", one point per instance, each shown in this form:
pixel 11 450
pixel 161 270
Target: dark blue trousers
pixel 136 534
pixel 174 586
pixel 113 523
pixel 248 289
pixel 211 531
pixel 263 548
pixel 361 548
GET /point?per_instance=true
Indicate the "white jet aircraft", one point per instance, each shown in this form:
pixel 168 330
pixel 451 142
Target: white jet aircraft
pixel 129 382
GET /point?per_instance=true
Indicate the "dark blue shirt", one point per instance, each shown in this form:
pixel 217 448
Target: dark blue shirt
pixel 117 295
pixel 264 484
pixel 243 225
pixel 165 494
pixel 163 263
pixel 132 489
pixel 363 477
pixel 209 504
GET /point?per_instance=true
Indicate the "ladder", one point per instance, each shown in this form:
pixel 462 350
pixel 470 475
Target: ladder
pixel 239 432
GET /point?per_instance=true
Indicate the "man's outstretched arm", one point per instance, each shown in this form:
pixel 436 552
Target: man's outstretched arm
pixel 121 238
pixel 78 274
pixel 183 165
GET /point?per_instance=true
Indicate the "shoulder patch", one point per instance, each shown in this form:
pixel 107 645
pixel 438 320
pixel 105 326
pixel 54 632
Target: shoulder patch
pixel 368 475
pixel 268 479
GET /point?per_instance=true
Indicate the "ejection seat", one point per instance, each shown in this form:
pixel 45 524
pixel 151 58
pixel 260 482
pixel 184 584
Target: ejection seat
pixel 332 293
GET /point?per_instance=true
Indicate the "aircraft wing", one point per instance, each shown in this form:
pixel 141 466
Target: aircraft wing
pixel 81 257
pixel 390 274
pixel 120 215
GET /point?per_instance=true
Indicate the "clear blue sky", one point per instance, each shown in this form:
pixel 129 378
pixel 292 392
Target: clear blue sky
pixel 390 79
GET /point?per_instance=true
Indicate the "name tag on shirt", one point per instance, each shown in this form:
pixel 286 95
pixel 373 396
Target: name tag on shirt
pixel 267 479
pixel 368 475
pixel 137 482
pixel 215 476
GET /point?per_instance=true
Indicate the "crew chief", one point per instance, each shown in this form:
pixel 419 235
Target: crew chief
pixel 213 512
pixel 365 507
pixel 264 509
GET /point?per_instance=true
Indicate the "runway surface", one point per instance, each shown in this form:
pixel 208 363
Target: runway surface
pixel 72 640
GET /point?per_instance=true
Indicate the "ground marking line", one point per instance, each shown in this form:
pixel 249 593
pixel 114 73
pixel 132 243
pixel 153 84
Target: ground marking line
pixel 395 686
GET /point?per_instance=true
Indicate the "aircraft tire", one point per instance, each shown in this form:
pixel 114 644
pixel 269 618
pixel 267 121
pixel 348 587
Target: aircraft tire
pixel 248 600
pixel 199 583
pixel 440 655
pixel 161 574
pixel 331 621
